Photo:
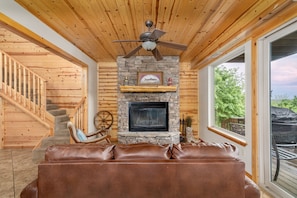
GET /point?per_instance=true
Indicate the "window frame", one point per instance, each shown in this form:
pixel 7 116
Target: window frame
pixel 242 140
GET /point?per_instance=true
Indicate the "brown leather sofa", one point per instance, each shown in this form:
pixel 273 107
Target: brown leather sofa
pixel 142 170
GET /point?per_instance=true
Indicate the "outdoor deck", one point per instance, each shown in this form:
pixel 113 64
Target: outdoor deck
pixel 287 177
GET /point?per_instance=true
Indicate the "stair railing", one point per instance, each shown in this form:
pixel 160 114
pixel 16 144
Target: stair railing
pixel 79 116
pixel 22 85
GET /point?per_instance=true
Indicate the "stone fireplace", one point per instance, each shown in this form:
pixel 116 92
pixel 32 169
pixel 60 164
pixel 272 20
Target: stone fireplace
pixel 128 69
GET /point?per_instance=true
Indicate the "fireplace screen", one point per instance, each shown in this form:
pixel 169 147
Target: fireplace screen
pixel 148 116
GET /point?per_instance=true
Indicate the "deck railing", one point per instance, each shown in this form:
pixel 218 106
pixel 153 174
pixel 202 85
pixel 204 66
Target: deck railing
pixel 22 85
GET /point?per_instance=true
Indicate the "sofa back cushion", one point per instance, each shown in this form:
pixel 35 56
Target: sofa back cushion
pixel 204 150
pixel 86 152
pixel 142 151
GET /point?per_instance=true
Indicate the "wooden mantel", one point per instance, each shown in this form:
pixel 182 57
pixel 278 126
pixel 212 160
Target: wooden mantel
pixel 148 89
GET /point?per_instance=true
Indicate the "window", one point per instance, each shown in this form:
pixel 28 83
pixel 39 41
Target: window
pixel 229 93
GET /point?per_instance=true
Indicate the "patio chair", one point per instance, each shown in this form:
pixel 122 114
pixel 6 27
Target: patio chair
pixel 79 137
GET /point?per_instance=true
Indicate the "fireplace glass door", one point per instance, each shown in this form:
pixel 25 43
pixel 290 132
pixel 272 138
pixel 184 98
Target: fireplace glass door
pixel 148 116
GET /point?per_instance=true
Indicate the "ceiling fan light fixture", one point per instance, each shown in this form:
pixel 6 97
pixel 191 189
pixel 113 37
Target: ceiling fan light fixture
pixel 149 45
pixel 149 40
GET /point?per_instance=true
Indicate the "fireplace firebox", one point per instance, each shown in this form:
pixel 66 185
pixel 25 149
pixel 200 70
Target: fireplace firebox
pixel 148 116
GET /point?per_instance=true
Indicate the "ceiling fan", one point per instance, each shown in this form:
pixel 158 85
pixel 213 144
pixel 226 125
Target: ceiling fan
pixel 150 40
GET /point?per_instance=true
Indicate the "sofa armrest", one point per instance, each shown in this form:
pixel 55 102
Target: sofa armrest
pixel 251 188
pixel 30 191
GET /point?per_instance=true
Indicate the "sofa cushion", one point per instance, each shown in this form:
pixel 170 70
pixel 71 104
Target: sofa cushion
pixel 142 151
pixel 204 150
pixel 85 152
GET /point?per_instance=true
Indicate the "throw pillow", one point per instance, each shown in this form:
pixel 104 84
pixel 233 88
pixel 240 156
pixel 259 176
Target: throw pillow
pixel 81 136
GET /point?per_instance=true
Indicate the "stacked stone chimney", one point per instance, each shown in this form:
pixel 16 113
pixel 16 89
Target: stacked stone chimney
pixel 128 69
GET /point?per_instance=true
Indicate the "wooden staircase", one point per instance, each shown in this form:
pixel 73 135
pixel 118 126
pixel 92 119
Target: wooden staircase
pixel 23 87
pixel 27 90
pixel 61 134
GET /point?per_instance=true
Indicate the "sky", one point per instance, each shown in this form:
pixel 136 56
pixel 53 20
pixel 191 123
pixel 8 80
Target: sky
pixel 284 77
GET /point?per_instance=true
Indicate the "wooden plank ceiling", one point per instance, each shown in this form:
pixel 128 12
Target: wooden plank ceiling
pixel 92 25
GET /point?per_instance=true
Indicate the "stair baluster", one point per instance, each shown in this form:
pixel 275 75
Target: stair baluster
pixel 23 86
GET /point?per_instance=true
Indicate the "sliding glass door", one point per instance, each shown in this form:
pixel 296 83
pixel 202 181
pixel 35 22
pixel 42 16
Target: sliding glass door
pixel 278 111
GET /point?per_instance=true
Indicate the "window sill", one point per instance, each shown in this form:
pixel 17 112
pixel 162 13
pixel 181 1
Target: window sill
pixel 228 136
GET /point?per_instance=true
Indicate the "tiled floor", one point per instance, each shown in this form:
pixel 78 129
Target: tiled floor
pixel 16 171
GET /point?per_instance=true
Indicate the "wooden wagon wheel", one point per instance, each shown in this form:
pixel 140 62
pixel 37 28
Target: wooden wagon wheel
pixel 103 120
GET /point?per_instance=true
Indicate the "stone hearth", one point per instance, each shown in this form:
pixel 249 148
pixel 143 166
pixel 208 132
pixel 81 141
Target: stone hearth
pixel 150 137
pixel 129 68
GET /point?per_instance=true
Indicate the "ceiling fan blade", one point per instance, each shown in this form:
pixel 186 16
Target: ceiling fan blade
pixel 133 51
pixel 156 34
pixel 172 45
pixel 118 41
pixel 157 54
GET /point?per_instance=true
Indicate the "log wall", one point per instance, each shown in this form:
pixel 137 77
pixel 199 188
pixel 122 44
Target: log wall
pixel 188 90
pixel 107 92
pixel 20 129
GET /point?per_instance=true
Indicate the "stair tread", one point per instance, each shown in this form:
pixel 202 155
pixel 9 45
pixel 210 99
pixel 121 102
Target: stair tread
pixel 64 115
pixel 62 131
pixel 62 119
pixel 55 138
pixel 51 107
pixel 55 110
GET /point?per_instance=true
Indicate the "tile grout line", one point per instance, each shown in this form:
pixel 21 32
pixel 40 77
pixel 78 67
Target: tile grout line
pixel 12 168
